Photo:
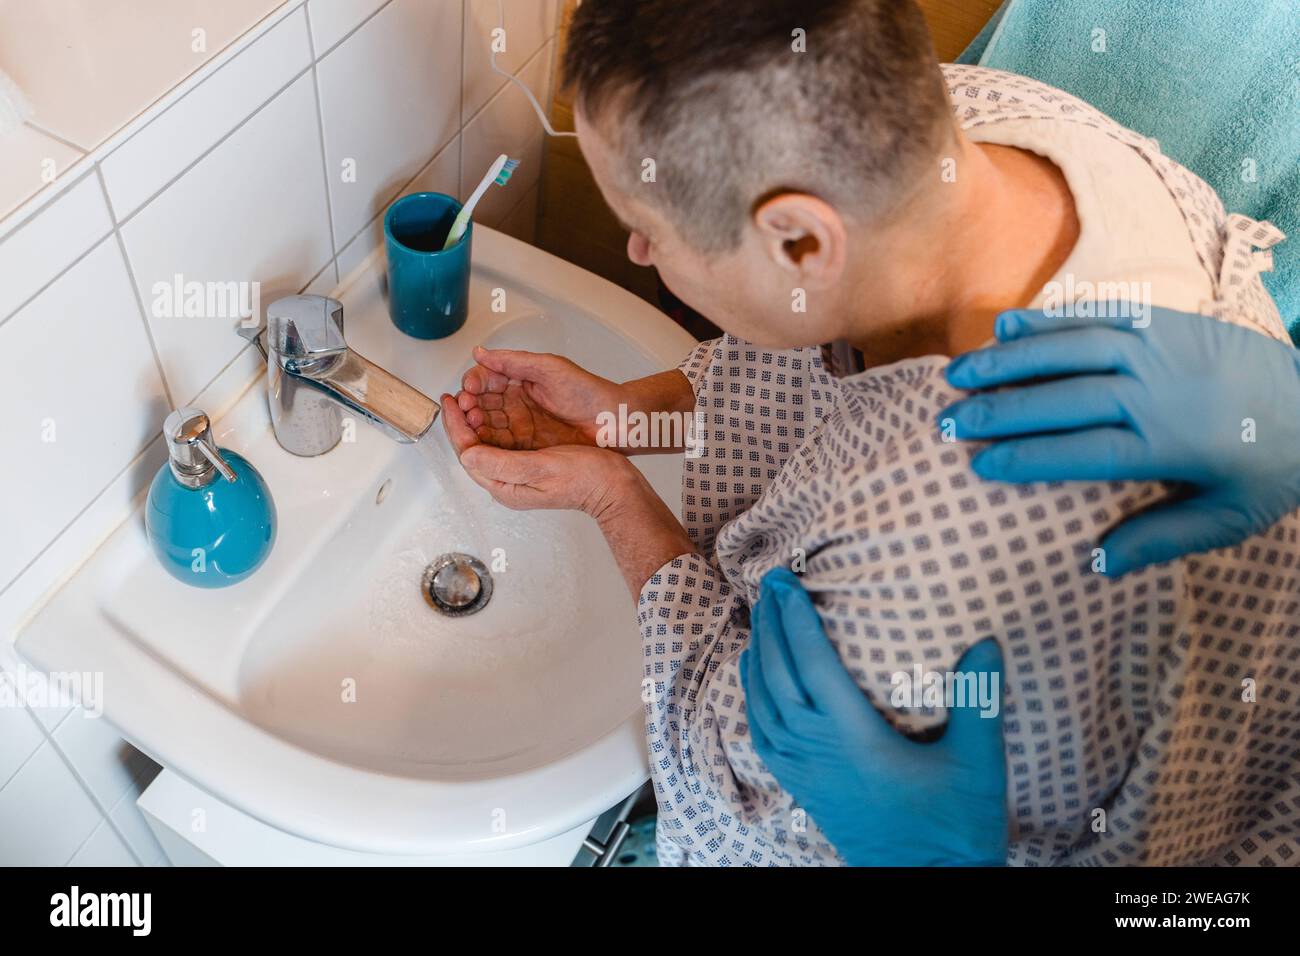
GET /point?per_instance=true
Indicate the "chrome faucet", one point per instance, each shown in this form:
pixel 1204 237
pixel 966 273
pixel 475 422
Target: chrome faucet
pixel 312 377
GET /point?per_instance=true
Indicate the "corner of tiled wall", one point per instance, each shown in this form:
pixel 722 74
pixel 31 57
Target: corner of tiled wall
pixel 272 165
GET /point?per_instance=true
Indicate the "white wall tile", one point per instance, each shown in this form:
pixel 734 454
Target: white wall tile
pixel 45 814
pixel 232 381
pixel 247 369
pixel 528 24
pixel 104 848
pixel 88 68
pixel 441 175
pixel 332 19
pixel 46 244
pixel 54 708
pixel 105 761
pixel 92 527
pixel 507 124
pixel 49 711
pixel 390 98
pixel 19 738
pixel 90 383
pixel 152 157
pixel 252 210
pixel 521 222
pixel 25 161
pixel 324 283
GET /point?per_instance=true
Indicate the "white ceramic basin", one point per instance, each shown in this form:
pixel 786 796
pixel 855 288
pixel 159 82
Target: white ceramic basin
pixel 324 695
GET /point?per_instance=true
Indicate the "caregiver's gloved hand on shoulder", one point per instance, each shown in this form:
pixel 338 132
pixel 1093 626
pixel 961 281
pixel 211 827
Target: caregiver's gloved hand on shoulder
pixel 1187 399
pixel 880 798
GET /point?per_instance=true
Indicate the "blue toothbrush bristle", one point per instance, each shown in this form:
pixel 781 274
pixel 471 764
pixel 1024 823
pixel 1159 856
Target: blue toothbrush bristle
pixel 504 176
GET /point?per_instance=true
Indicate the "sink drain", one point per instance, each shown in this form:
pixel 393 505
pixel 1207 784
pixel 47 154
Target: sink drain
pixel 456 585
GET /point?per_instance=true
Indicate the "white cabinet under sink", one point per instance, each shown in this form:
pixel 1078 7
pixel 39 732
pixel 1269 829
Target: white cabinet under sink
pixel 196 829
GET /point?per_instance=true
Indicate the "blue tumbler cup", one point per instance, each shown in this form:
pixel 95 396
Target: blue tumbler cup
pixel 428 287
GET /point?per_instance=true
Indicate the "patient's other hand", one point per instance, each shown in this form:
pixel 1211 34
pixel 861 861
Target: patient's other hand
pixel 532 400
pixel 562 477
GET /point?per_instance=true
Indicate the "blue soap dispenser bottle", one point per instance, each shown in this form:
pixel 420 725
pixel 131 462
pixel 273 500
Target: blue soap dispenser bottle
pixel 210 518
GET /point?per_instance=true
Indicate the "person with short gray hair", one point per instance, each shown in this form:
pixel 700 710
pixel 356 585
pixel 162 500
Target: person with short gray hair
pixel 794 173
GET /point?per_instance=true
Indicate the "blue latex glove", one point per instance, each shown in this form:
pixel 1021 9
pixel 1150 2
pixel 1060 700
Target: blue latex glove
pixel 1165 402
pixel 880 798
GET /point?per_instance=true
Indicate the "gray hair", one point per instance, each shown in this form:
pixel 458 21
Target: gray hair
pixel 734 104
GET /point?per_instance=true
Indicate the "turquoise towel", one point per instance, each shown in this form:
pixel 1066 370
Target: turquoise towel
pixel 1216 82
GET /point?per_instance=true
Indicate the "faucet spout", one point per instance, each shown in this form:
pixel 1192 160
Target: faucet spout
pixel 313 377
pixel 402 412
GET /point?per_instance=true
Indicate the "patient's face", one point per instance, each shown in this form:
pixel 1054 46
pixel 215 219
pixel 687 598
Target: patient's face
pixel 740 290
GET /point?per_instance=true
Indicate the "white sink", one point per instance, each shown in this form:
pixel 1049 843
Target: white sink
pixel 323 695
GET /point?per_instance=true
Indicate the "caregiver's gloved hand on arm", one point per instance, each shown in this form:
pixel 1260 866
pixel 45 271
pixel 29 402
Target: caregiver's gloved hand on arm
pixel 1178 400
pixel 880 798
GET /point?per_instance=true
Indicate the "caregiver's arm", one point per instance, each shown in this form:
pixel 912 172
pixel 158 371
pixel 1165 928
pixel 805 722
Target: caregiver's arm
pixel 881 799
pixel 533 400
pixel 1187 398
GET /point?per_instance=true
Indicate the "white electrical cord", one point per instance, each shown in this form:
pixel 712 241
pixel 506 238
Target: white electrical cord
pixel 541 115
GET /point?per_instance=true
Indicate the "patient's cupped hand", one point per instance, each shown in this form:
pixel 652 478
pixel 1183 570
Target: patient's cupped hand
pixel 532 400
pixel 569 477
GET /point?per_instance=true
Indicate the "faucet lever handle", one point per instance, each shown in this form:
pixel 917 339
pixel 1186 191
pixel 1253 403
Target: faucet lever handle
pixel 305 327
pixel 254 334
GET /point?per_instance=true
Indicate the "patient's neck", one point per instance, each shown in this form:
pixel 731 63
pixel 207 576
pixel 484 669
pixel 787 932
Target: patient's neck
pixel 974 247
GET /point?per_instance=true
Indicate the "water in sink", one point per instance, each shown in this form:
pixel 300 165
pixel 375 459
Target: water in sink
pixel 551 663
pixel 400 613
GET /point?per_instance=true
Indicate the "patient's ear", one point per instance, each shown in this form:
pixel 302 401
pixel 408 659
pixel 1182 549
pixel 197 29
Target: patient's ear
pixel 803 236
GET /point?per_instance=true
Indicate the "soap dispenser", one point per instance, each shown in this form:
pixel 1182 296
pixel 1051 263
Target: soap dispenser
pixel 210 517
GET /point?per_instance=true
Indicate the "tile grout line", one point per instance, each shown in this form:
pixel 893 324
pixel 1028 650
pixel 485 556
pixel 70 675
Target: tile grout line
pixel 248 345
pixel 87 153
pixel 457 138
pixel 95 170
pixel 516 207
pixel 464 33
pixel 320 134
pixel 347 36
pixel 59 139
pixel 129 465
pixel 133 785
pixel 115 230
pixel 460 111
pixel 47 735
pixel 77 517
pixel 215 146
pixel 63 190
pixel 40 729
pixel 94 244
pixel 549 109
pixel 229 365
pixel 319 272
pixel 285 18
pixel 135 289
pixel 105 817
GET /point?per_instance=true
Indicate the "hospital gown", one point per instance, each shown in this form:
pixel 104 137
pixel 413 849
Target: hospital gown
pixel 1153 719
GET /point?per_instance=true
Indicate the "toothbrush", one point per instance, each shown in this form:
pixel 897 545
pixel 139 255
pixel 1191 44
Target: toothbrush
pixel 499 172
